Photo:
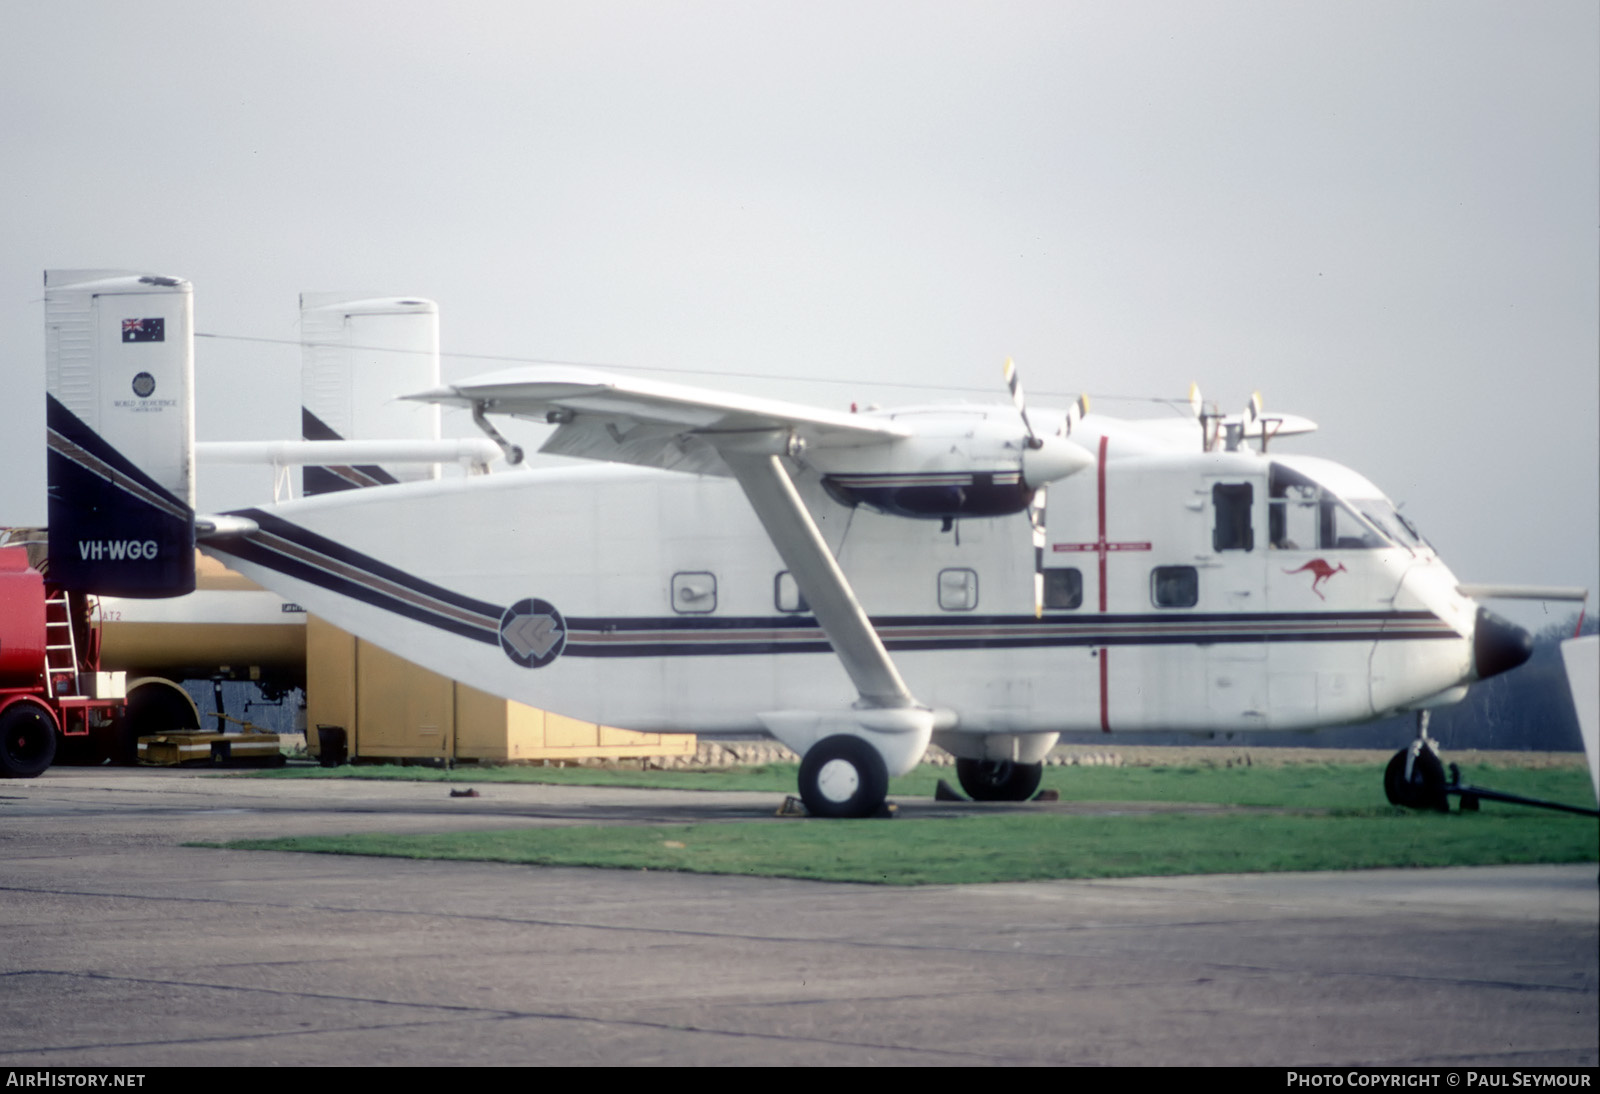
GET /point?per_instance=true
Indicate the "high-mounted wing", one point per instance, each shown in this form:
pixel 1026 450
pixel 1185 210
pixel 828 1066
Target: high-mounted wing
pixel 669 426
pixel 680 428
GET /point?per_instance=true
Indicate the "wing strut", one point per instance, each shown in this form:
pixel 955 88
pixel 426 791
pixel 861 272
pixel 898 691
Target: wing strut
pixel 788 523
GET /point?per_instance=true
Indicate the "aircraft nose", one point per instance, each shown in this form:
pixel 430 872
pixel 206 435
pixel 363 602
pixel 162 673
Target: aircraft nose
pixel 1498 645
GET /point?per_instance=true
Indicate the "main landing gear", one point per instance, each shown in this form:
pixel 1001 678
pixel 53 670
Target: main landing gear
pixel 1415 776
pixel 999 780
pixel 843 776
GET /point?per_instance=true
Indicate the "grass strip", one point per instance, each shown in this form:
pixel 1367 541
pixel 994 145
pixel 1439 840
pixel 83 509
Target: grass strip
pixel 1008 848
pixel 1307 785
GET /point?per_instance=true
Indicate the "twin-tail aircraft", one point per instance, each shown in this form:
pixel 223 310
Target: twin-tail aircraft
pixel 857 585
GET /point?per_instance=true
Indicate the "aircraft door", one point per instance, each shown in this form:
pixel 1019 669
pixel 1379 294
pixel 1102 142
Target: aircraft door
pixel 1233 583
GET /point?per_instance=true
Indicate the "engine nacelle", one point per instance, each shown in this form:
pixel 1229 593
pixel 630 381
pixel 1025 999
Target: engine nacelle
pixel 963 462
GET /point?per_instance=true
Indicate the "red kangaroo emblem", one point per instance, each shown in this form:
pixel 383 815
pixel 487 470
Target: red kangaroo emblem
pixel 1322 571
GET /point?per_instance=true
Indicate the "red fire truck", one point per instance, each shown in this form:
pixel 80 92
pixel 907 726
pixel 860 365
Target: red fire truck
pixel 52 694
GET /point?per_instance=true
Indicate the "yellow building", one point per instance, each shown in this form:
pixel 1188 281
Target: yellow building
pixel 393 709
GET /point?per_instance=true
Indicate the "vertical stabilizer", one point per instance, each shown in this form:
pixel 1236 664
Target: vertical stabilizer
pixel 119 394
pixel 1582 659
pixel 360 353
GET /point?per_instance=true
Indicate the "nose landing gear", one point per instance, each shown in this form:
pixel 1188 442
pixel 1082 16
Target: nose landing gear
pixel 1415 776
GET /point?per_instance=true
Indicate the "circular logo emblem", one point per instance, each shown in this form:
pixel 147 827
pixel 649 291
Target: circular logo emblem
pixel 532 633
pixel 144 385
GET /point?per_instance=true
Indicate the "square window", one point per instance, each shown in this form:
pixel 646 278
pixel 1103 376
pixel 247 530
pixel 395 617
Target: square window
pixel 1175 586
pixel 786 595
pixel 1063 588
pixel 958 590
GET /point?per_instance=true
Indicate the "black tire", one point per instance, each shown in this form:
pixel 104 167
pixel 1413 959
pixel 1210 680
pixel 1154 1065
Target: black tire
pixel 1425 788
pixel 843 776
pixel 999 780
pixel 27 741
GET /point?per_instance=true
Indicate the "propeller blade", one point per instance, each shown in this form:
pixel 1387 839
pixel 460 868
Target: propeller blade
pixel 1036 514
pixel 1014 382
pixel 1045 460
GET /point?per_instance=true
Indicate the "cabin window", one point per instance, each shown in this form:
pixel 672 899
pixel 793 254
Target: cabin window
pixel 786 595
pixel 1175 586
pixel 1233 530
pixel 1063 588
pixel 958 590
pixel 694 593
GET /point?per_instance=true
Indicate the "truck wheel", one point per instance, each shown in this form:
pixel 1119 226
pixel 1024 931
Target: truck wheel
pixel 27 741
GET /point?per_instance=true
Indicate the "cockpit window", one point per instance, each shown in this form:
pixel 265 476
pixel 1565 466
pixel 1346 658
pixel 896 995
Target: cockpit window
pixel 1390 522
pixel 1303 515
pixel 1342 530
pixel 1292 510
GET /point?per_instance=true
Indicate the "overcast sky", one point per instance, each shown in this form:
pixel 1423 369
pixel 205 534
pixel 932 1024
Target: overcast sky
pixel 1382 215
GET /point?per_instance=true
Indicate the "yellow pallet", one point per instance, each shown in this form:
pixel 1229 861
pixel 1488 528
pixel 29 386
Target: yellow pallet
pixel 219 749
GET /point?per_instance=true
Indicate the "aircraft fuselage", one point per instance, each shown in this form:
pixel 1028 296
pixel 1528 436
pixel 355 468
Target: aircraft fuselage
pixel 1175 598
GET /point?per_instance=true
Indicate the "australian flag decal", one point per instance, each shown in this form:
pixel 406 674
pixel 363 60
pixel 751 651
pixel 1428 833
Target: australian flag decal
pixel 144 330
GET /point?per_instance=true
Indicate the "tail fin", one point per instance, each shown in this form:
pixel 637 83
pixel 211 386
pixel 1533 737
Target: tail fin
pixel 119 361
pixel 360 352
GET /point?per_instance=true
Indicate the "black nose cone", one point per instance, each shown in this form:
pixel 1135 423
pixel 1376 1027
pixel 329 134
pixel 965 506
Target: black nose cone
pixel 1498 645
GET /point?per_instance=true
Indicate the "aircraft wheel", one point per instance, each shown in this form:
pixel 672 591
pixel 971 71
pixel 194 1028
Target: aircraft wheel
pixel 27 741
pixel 1425 788
pixel 843 776
pixel 999 780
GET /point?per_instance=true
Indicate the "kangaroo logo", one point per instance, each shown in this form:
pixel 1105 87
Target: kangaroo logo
pixel 1321 572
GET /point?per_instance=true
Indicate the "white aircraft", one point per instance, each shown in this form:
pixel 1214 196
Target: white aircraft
pixel 856 585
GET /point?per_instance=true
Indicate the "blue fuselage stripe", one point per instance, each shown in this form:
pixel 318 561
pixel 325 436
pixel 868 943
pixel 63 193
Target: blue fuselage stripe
pixel 303 555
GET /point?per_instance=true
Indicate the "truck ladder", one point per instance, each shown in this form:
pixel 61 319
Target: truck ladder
pixel 60 648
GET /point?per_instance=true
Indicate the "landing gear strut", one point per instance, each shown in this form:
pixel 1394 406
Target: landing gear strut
pixel 999 780
pixel 1415 776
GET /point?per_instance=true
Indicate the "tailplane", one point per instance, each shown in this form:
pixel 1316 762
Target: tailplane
pixel 360 353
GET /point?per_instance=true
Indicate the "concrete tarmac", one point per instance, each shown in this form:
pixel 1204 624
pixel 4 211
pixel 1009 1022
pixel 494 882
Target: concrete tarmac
pixel 124 948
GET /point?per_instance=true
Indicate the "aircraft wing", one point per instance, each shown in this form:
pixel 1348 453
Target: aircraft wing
pixel 622 419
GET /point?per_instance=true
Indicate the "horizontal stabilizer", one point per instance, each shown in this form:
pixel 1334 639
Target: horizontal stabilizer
pixel 1523 592
pixel 469 450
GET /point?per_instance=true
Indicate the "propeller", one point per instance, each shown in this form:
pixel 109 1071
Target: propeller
pixel 1044 460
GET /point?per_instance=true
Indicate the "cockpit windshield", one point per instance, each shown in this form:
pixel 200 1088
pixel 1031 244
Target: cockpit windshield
pixel 1390 521
pixel 1306 515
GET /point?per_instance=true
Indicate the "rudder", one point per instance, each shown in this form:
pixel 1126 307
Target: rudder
pixel 119 358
